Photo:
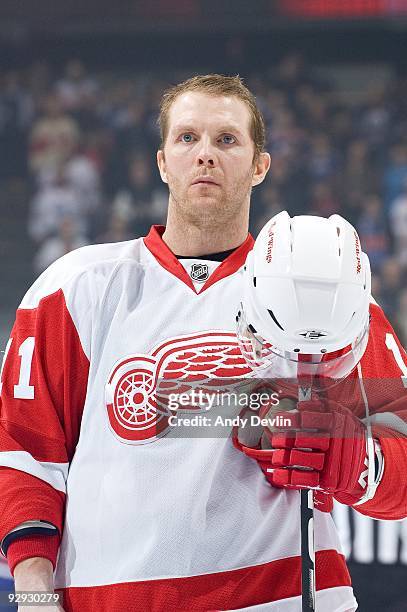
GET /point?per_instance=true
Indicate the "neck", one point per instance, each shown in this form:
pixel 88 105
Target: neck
pixel 185 237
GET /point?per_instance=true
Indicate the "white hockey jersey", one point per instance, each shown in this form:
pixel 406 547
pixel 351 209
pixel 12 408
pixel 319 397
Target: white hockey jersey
pixel 151 520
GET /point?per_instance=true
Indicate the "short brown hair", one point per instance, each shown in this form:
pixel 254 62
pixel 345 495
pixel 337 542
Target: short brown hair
pixel 215 85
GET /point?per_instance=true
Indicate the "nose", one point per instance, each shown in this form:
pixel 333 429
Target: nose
pixel 206 155
pixel 206 160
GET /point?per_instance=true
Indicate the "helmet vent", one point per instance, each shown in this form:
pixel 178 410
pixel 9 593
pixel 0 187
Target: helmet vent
pixel 252 329
pixel 254 281
pixel 274 319
pixel 338 230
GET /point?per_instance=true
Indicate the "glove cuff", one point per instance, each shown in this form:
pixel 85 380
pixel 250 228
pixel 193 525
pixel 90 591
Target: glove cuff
pixel 375 470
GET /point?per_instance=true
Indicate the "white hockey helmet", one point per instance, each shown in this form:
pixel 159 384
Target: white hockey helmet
pixel 307 287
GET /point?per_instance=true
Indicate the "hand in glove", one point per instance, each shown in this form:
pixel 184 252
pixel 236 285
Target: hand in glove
pixel 325 449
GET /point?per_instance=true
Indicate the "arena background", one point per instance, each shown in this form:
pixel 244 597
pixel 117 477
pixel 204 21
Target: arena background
pixel 79 88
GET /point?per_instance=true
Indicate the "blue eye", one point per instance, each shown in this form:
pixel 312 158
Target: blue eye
pixel 186 138
pixel 228 139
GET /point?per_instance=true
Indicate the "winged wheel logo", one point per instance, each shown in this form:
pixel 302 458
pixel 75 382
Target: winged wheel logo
pixel 138 387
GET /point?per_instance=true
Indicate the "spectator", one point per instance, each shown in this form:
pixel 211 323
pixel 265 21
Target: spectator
pixel 274 102
pixel 287 138
pixel 377 287
pixel 304 99
pixel 53 203
pixel 16 111
pixel 145 198
pixel 317 116
pixel 54 137
pixel 357 174
pixel 76 87
pixel 375 119
pixel 118 229
pixel 292 72
pixel 323 201
pixel 131 133
pixel 356 179
pixel 67 239
pixel 391 275
pixel 39 81
pixel 82 176
pixel 267 202
pixel 322 160
pixel 292 182
pixel 371 226
pixel 340 127
pixel 398 225
pixel 395 174
pixel 115 100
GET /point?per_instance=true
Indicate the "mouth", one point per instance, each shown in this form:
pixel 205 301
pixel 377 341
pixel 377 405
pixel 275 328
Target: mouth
pixel 205 180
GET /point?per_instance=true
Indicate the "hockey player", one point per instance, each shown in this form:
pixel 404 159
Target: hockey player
pixel 94 483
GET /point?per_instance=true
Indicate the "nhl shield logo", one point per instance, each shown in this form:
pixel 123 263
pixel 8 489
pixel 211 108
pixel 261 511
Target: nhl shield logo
pixel 199 272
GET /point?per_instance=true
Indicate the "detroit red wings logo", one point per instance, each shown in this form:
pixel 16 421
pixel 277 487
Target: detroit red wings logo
pixel 139 386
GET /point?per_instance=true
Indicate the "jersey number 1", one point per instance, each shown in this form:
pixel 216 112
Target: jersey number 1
pixel 394 348
pixel 23 389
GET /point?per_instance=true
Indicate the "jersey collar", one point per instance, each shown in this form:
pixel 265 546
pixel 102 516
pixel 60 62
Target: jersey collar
pixel 167 259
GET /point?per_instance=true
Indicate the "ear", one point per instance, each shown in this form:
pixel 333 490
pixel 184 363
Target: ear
pixel 261 167
pixel 161 166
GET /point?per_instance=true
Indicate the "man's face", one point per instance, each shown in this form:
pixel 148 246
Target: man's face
pixel 208 157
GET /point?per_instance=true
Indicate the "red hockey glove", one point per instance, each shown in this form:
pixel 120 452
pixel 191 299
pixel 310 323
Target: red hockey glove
pixel 324 448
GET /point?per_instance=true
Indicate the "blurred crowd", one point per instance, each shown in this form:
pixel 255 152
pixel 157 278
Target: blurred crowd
pixel 85 144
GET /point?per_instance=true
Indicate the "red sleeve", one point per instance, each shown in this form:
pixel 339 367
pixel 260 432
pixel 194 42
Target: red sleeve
pixel 43 382
pixel 33 546
pixel 384 368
